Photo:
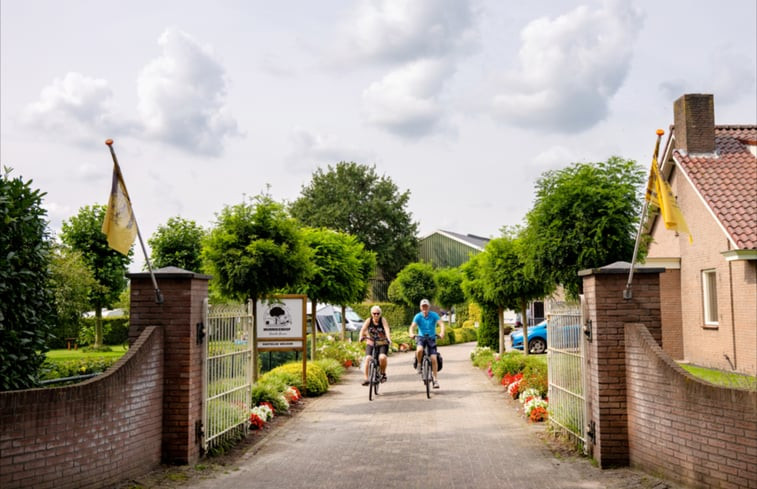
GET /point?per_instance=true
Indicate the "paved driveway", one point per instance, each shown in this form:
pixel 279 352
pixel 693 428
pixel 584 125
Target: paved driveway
pixel 466 436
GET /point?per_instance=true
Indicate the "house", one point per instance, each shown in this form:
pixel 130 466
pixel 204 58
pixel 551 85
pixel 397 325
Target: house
pixel 447 249
pixel 709 290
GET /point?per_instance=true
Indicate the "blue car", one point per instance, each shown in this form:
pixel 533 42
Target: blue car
pixel 537 337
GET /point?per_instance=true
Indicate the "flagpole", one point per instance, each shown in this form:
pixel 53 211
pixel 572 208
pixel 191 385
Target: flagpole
pixel 158 294
pixel 628 292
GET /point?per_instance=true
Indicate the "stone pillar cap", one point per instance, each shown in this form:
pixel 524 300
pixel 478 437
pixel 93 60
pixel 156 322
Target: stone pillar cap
pixel 619 267
pixel 169 272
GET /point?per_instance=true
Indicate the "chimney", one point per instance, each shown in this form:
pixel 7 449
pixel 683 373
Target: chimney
pixel 694 119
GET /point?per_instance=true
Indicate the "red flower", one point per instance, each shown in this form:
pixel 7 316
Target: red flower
pixel 538 414
pixel 256 421
pixel 270 406
pixel 348 363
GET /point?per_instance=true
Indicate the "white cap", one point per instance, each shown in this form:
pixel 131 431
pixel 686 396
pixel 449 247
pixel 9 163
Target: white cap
pixel 425 302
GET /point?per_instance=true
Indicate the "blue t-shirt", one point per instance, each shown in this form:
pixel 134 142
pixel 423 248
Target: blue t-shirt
pixel 426 325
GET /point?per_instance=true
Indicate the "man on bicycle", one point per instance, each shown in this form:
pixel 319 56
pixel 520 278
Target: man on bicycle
pixel 426 322
pixel 376 332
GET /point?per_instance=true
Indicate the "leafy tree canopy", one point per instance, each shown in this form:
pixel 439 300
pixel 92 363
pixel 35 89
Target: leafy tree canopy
pixel 352 198
pixel 506 279
pixel 178 243
pixel 341 265
pixel 72 283
pixel 413 283
pixel 449 289
pixel 584 216
pixel 255 249
pixel 26 302
pixel 83 233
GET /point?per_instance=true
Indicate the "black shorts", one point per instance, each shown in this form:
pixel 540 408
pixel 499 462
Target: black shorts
pixel 423 340
pixel 382 349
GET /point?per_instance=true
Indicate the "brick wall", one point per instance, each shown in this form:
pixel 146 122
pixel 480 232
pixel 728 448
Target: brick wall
pixel 690 431
pixel 671 313
pixel 90 434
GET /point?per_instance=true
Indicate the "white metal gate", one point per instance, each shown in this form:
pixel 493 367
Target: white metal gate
pixel 227 370
pixel 565 364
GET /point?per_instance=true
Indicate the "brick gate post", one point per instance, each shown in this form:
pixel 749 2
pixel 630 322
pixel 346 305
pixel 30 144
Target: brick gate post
pixel 182 309
pixel 605 353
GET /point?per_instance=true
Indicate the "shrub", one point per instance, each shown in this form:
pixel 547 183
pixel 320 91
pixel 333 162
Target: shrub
pixel 535 377
pixel 343 352
pixel 272 392
pixel 58 369
pixel 509 363
pixel 482 356
pixel 488 331
pixel 465 334
pixel 115 331
pixel 333 369
pixel 291 374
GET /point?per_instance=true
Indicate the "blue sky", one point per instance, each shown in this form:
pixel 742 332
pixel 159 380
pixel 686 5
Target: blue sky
pixel 464 103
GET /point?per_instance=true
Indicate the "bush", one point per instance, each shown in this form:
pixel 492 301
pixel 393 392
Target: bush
pixel 273 392
pixel 115 331
pixel 345 352
pixel 291 374
pixel 509 363
pixel 482 356
pixel 58 369
pixel 333 369
pixel 465 334
pixel 488 331
pixel 535 376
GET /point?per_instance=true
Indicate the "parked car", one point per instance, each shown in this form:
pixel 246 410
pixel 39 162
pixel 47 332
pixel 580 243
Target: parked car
pixel 329 318
pixel 537 337
pixel 353 321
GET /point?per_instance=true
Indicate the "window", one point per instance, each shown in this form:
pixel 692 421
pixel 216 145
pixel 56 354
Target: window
pixel 710 297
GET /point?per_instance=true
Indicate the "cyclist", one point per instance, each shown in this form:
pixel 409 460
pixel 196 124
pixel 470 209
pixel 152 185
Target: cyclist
pixel 376 332
pixel 426 322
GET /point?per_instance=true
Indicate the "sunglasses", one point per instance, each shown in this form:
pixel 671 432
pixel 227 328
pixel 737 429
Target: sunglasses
pixel 376 313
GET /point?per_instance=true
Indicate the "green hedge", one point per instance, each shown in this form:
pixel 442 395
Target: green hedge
pixel 58 369
pixel 399 317
pixel 291 374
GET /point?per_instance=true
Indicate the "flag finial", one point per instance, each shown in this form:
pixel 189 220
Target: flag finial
pixel 660 132
pixel 109 142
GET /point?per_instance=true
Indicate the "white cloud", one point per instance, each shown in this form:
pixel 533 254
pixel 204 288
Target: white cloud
pixel 403 30
pixel 406 101
pixel 75 106
pixel 570 68
pixel 182 96
pixel 311 150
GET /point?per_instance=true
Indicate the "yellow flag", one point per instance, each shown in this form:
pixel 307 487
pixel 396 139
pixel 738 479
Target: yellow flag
pixel 119 224
pixel 660 194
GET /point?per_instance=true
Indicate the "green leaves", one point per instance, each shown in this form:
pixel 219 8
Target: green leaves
pixel 178 243
pixel 26 304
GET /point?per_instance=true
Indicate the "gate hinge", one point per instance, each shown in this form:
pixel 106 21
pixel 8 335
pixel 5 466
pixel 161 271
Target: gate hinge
pixel 591 431
pixel 587 330
pixel 199 431
pixel 200 332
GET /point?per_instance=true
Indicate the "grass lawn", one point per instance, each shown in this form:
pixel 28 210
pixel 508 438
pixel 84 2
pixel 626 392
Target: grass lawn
pixel 117 351
pixel 720 377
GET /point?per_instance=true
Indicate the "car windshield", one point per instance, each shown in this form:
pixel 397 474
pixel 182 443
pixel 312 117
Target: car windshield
pixel 352 315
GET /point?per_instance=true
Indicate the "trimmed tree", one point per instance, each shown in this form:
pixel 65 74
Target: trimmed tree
pixel 83 233
pixel 584 216
pixel 413 283
pixel 177 243
pixel 473 286
pixel 449 291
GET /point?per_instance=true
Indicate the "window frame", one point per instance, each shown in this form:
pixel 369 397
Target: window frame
pixel 710 298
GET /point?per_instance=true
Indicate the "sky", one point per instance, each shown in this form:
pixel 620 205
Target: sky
pixel 462 103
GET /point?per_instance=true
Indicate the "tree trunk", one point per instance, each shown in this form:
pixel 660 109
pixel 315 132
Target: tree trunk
pixel 344 323
pixel 500 320
pixel 523 306
pixel 315 330
pixel 98 327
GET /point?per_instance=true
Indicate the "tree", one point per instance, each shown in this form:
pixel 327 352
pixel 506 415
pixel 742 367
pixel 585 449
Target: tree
pixel 584 216
pixel 351 198
pixel 255 249
pixel 83 233
pixel 26 303
pixel 474 286
pixel 341 269
pixel 72 283
pixel 415 282
pixel 178 243
pixel 507 282
pixel 449 291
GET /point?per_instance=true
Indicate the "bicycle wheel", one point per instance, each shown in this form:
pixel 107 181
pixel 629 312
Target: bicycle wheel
pixel 376 380
pixel 427 375
pixel 372 382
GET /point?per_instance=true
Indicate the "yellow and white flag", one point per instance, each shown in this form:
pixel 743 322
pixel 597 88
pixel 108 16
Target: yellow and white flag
pixel 661 195
pixel 119 224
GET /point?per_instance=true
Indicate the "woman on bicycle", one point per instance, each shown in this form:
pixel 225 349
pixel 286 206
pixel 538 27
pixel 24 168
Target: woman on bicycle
pixel 375 331
pixel 426 321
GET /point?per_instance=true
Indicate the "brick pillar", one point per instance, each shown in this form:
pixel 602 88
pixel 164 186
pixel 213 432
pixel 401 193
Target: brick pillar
pixel 181 310
pixel 605 354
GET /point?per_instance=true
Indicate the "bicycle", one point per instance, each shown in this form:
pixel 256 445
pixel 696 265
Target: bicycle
pixel 374 372
pixel 427 375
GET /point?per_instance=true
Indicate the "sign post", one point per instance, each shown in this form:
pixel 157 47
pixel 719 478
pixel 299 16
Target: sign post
pixel 280 325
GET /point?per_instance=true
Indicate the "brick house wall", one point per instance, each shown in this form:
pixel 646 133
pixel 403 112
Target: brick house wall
pixel 91 434
pixel 671 313
pixel 699 434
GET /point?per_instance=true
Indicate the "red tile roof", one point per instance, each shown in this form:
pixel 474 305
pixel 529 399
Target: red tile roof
pixel 728 181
